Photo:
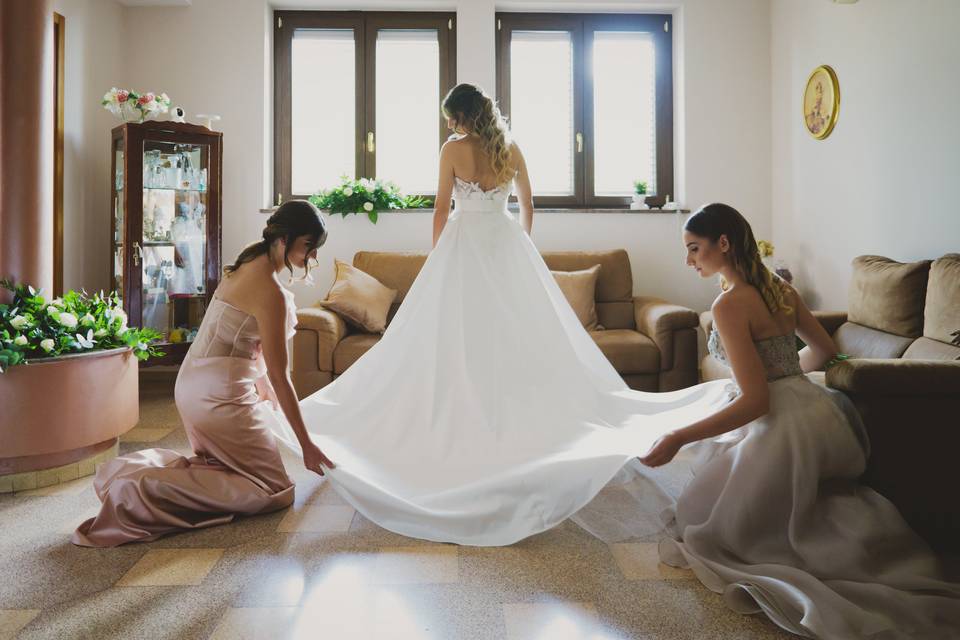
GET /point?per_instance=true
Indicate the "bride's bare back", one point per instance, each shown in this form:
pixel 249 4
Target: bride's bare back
pixel 465 159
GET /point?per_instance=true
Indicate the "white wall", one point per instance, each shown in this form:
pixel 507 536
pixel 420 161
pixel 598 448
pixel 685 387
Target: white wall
pixel 210 57
pixel 92 64
pixel 884 182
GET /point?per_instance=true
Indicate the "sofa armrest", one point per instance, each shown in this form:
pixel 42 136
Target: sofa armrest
pixel 330 329
pixel 658 320
pixel 706 322
pixel 896 377
pixel 831 320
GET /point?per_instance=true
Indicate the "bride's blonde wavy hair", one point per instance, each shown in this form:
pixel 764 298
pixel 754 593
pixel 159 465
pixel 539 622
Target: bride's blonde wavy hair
pixel 714 220
pixel 468 104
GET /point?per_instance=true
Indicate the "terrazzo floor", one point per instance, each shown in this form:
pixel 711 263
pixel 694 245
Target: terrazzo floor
pixel 321 570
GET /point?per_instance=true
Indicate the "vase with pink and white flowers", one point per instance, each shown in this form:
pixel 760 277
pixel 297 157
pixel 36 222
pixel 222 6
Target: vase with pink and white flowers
pixel 131 106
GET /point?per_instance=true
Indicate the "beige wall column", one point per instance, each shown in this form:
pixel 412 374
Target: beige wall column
pixel 26 124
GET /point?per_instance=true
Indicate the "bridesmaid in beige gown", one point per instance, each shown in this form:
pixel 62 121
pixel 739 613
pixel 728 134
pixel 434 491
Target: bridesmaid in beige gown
pixel 236 366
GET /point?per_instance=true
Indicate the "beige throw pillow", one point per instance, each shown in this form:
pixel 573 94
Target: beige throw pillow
pixel 359 298
pixel 580 289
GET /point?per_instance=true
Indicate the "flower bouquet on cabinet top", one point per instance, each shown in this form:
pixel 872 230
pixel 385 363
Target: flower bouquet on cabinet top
pixel 132 106
pixel 32 327
pixel 366 196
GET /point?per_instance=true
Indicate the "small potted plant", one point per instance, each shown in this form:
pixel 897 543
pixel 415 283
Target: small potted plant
pixel 639 195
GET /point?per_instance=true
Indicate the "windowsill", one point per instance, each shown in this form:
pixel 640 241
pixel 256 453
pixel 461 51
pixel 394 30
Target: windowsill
pixel 514 209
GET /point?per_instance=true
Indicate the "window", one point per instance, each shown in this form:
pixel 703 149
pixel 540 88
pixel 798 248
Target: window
pixel 590 102
pixel 358 94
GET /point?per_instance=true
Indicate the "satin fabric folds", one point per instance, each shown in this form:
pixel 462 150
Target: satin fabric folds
pixel 236 469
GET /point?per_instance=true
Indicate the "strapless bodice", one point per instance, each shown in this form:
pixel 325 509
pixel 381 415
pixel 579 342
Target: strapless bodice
pixel 778 354
pixel 227 331
pixel 468 196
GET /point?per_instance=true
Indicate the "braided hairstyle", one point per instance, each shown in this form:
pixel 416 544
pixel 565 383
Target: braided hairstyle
pixel 291 220
pixel 715 220
pixel 468 104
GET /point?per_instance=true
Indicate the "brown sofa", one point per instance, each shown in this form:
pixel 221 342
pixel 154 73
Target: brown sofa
pixel 904 379
pixel 651 343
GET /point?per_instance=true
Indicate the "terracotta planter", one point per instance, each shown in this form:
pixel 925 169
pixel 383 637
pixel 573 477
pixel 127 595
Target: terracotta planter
pixel 57 411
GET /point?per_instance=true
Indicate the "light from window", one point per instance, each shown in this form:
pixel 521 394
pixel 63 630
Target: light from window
pixel 623 112
pixel 408 108
pixel 323 108
pixel 541 107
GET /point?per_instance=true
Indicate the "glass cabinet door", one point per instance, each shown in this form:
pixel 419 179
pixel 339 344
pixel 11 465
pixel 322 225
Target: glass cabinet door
pixel 174 238
pixel 119 229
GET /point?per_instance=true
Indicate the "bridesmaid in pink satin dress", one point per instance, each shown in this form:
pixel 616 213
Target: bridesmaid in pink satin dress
pixel 236 365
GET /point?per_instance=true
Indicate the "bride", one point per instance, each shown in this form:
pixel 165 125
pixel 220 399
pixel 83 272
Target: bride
pixel 486 413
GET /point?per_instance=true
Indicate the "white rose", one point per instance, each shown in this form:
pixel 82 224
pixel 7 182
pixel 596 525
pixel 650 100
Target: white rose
pixel 88 319
pixel 68 320
pixel 368 206
pixel 20 341
pixel 348 192
pixel 46 344
pixel 57 301
pixel 100 333
pixel 19 322
pixel 52 310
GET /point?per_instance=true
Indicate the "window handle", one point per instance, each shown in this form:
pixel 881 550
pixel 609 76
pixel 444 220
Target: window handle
pixel 579 142
pixel 370 145
pixel 137 254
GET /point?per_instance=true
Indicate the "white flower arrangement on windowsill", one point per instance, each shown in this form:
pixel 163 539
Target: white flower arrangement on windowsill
pixel 366 196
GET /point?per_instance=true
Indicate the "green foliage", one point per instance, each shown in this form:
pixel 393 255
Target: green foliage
pixel 31 327
pixel 640 187
pixel 366 196
pixel 836 359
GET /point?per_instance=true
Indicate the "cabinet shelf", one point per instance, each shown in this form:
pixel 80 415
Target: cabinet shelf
pixel 181 190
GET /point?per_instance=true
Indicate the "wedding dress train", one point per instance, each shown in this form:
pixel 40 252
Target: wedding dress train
pixel 487 414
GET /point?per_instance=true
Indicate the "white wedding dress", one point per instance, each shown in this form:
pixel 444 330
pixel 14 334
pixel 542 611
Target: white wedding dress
pixel 487 414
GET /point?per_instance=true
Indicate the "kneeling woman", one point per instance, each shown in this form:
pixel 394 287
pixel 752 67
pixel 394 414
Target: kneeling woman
pixel 236 365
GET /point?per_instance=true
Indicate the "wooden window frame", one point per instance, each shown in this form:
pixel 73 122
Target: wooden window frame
pixel 581 27
pixel 365 25
pixel 59 51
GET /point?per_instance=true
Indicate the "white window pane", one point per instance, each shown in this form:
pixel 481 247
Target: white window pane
pixel 323 103
pixel 541 107
pixel 408 108
pixel 623 112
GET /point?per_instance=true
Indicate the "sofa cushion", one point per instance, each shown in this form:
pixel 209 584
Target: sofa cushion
pixel 351 348
pixel 888 295
pixel 396 270
pixel 616 315
pixel 615 281
pixel 579 288
pixel 628 351
pixel 360 298
pixel 941 315
pixel 859 341
pixel 927 349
